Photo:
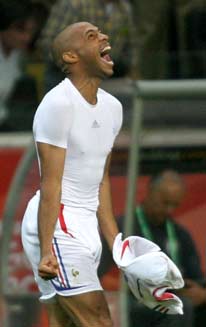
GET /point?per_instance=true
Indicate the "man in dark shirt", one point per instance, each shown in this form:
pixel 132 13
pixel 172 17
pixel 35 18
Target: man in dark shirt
pixel 152 220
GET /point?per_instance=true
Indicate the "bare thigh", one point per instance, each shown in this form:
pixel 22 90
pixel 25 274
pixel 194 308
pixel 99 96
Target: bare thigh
pixel 57 316
pixel 87 310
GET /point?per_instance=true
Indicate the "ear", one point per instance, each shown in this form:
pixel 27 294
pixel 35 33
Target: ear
pixel 70 57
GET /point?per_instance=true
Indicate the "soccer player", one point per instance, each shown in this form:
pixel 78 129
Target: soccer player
pixel 74 129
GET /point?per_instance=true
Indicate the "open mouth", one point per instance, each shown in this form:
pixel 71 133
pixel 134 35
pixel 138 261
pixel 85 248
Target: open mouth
pixel 104 54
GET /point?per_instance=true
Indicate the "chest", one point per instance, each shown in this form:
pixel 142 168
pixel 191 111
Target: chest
pixel 92 132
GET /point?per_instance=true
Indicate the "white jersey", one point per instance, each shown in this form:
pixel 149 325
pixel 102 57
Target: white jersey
pixel 87 132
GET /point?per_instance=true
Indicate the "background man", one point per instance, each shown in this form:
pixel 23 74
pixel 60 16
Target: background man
pixel 152 220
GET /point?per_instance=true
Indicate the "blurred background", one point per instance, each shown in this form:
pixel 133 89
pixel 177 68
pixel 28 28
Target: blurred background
pixel 159 50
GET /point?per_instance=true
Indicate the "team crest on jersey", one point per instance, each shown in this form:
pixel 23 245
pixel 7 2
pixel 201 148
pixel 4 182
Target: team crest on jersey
pixel 75 273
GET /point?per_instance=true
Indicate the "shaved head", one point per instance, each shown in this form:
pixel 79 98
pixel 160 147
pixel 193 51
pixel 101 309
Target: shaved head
pixel 165 178
pixel 81 49
pixel 166 192
pixel 68 40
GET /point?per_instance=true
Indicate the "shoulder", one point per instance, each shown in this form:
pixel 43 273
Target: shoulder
pixel 109 97
pixel 58 95
pixel 53 118
pixel 56 101
pixel 110 100
pixel 113 106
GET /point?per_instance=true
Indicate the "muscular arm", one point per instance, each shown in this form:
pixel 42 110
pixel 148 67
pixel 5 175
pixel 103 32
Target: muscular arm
pixel 52 164
pixel 105 215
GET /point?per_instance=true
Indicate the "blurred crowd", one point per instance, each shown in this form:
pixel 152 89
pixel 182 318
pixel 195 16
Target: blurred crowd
pixel 163 39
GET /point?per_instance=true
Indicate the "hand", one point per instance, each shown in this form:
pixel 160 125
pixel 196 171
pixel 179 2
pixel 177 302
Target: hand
pixel 194 291
pixel 48 267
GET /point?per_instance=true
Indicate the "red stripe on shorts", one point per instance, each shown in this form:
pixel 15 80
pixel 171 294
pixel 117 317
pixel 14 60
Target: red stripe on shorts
pixel 62 221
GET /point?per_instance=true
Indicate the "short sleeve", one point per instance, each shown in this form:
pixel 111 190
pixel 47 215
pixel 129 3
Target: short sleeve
pixel 52 121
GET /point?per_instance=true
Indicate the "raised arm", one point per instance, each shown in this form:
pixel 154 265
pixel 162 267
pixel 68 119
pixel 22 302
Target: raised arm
pixel 105 214
pixel 52 164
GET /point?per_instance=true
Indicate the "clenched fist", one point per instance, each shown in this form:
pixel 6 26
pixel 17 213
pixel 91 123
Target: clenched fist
pixel 48 267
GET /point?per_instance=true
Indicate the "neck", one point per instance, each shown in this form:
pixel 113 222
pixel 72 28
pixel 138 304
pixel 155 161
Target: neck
pixel 146 209
pixel 149 214
pixel 88 87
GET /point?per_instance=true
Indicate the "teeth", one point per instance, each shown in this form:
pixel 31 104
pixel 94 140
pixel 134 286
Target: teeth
pixel 107 48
